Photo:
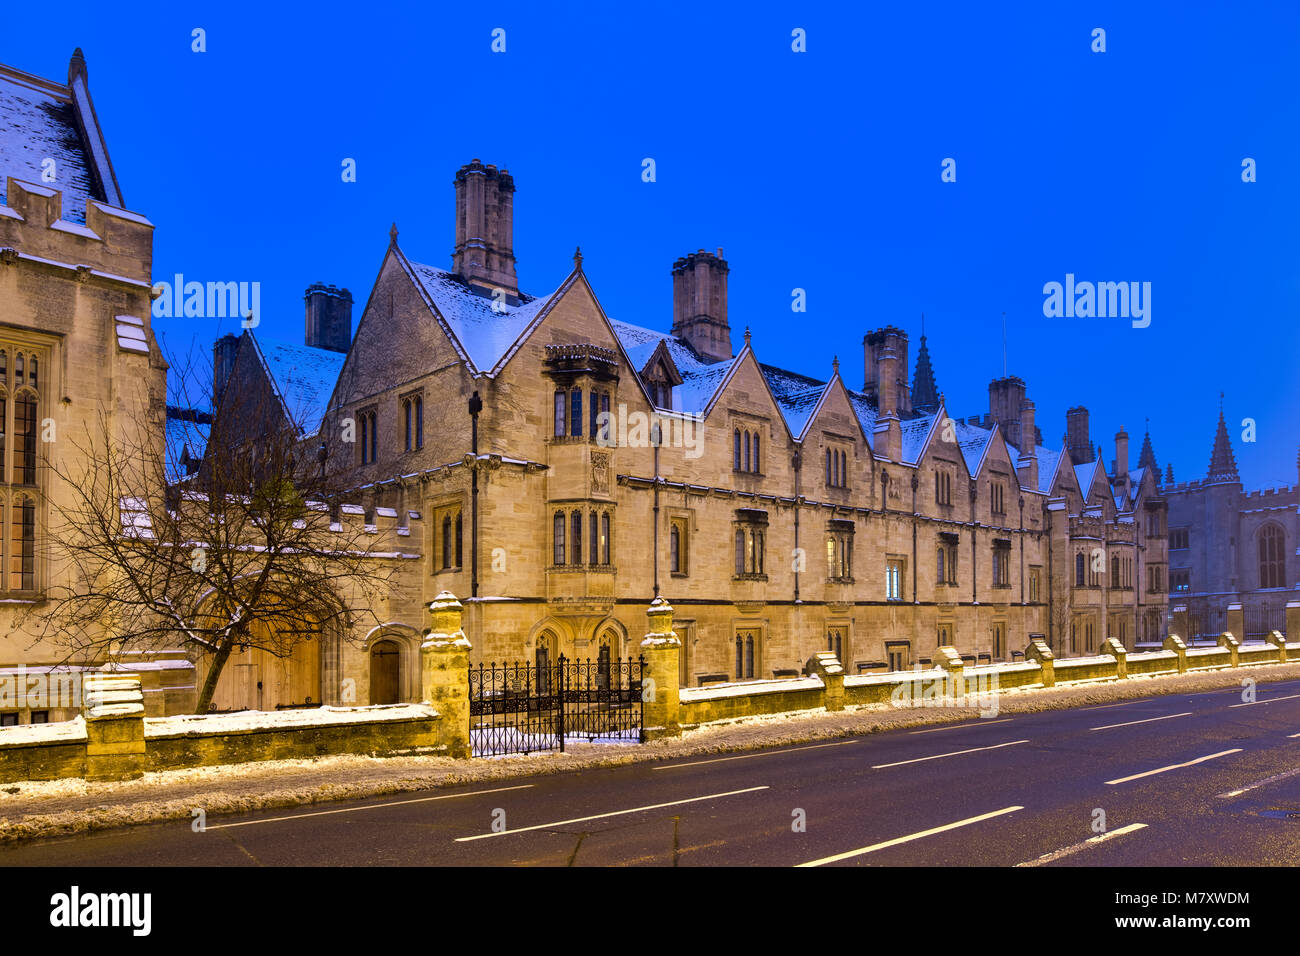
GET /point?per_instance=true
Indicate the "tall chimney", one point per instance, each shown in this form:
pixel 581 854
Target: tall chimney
pixel 884 350
pixel 485 227
pixel 1027 463
pixel 329 317
pixel 700 305
pixel 1121 454
pixel 887 386
pixel 1077 436
pixel 1006 402
pixel 224 351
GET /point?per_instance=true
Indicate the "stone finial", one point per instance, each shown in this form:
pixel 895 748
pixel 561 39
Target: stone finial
pixel 577 258
pixel 835 364
pixel 447 614
pixel 392 234
pixel 660 615
pixel 747 335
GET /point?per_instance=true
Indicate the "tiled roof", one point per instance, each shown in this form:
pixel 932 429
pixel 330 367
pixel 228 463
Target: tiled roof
pixel 485 333
pixel 37 123
pixel 303 377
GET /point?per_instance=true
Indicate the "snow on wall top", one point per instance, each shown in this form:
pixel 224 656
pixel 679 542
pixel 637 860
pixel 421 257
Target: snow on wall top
pixel 36 124
pixel 484 333
pixel 303 376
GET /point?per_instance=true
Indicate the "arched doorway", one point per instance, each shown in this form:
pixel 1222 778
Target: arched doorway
pixel 385 672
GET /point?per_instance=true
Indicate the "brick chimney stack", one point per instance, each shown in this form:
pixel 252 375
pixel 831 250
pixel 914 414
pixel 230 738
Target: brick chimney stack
pixel 224 351
pixel 885 354
pixel 485 227
pixel 700 304
pixel 1077 436
pixel 1027 463
pixel 329 317
pixel 894 382
pixel 1006 404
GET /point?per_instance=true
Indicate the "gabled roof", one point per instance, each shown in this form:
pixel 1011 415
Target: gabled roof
pixel 302 377
pixel 797 396
pixel 483 328
pixel 1084 475
pixel 42 120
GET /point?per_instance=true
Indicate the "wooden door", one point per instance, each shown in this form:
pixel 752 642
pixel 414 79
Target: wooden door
pixel 385 673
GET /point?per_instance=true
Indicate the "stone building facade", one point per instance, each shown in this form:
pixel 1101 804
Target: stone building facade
pixel 1232 547
pixel 75 339
pixel 566 467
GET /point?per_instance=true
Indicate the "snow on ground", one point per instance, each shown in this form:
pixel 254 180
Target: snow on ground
pixel 35 809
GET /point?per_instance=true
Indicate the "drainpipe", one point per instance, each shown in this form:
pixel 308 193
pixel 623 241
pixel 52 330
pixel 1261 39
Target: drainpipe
pixel 916 481
pixel 796 462
pixel 654 438
pixel 475 406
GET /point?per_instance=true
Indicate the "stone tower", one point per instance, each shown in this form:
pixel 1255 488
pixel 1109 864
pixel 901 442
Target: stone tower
pixel 484 251
pixel 700 304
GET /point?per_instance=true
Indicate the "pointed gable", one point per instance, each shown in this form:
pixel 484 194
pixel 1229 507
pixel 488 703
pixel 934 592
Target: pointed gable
pixel 301 377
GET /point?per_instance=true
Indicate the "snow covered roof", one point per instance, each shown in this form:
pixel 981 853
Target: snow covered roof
pixel 39 121
pixel 303 378
pixel 484 327
pixel 187 439
pixel 914 432
pixel 1084 475
pixel 700 380
pixel 796 395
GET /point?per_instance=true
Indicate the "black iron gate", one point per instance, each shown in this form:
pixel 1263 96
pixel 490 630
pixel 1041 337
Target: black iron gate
pixel 522 708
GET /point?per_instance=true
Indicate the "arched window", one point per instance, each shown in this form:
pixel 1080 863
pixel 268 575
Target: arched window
pixel 593 556
pixel 674 550
pixel 740 550
pixel 446 541
pixel 459 539
pixel 747 451
pixel 575 545
pixel 736 451
pixel 374 440
pixel 18 368
pixel 1078 570
pixel 939 577
pixel 1272 557
pixel 406 413
pixel 606 539
pixel 557 555
pixel 419 421
pixel 560 414
pixel 365 439
pixel 1114 571
pixel 757 467
pixel 830 475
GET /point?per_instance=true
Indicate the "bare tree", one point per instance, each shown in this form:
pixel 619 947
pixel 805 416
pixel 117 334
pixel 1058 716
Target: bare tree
pixel 247 550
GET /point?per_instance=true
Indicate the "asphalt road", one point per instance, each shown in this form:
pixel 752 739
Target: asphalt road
pixel 1182 780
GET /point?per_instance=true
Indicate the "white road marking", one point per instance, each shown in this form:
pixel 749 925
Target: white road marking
pixel 1269 701
pixel 1292 736
pixel 376 806
pixel 910 837
pixel 1259 783
pixel 955 753
pixel 612 813
pixel 1147 721
pixel 1176 766
pixel 765 753
pixel 1145 700
pixel 963 726
pixel 1091 841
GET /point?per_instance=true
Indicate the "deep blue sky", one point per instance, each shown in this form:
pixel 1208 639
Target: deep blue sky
pixel 817 170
